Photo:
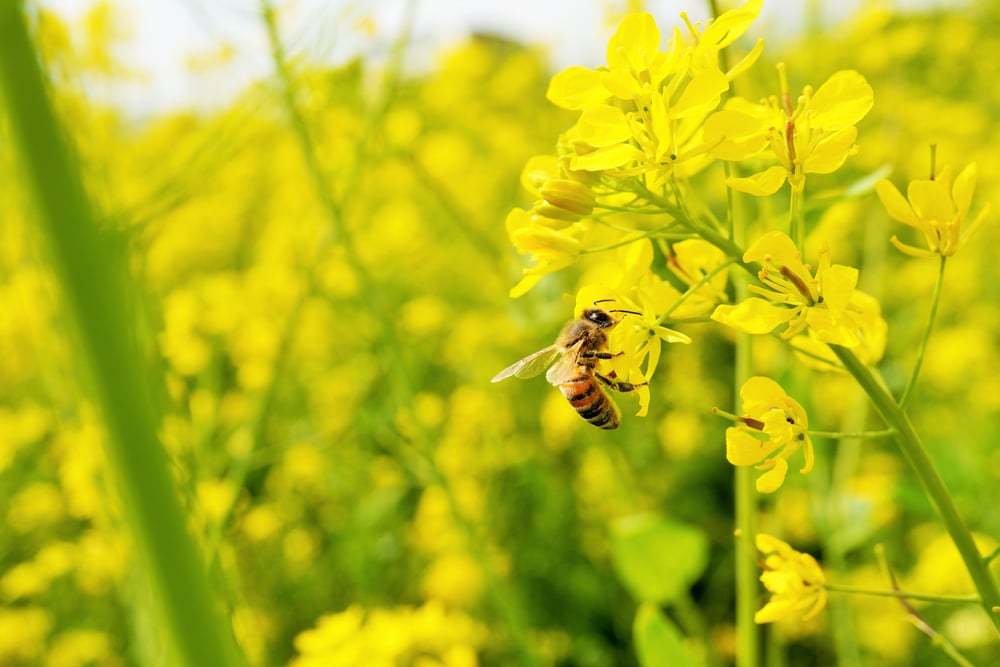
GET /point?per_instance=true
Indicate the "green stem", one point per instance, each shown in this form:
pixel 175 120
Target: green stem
pixel 92 274
pixel 747 587
pixel 913 449
pixel 839 435
pixel 935 300
pixel 693 289
pixel 925 597
pixel 796 219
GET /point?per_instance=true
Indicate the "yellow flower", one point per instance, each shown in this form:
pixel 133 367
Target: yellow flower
pixel 815 137
pixel 794 579
pixel 872 333
pixel 639 336
pixel 794 296
pixel 935 207
pixel 772 429
pixel 644 111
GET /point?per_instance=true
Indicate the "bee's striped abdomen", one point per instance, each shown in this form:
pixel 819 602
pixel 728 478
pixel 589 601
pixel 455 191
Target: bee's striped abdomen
pixel 590 401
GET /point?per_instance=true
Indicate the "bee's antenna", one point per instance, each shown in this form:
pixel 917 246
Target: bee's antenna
pixel 619 310
pixel 603 301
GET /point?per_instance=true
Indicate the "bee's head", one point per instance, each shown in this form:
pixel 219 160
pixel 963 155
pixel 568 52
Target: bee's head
pixel 601 318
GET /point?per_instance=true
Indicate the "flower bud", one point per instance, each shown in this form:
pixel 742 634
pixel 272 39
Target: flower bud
pixel 566 197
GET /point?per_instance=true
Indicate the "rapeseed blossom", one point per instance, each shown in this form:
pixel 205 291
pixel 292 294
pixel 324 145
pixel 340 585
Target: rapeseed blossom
pixel 773 427
pixel 814 137
pixel 642 114
pixel 795 297
pixel 937 207
pixel 794 579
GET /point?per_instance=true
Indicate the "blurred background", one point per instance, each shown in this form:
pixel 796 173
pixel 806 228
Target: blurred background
pixel 320 270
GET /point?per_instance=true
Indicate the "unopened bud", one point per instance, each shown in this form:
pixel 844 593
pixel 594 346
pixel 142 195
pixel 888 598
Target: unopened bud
pixel 568 196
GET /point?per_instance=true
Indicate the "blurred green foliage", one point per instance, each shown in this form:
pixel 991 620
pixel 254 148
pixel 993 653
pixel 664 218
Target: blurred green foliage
pixel 320 363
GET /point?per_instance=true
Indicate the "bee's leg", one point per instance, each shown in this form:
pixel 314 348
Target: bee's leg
pixel 600 355
pixel 618 385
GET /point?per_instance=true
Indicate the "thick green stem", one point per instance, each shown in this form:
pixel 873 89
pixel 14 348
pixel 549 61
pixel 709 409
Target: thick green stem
pixel 935 300
pixel 747 586
pixel 92 277
pixel 913 449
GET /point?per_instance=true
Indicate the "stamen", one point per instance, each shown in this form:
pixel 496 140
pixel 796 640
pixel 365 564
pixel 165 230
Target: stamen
pixel 798 282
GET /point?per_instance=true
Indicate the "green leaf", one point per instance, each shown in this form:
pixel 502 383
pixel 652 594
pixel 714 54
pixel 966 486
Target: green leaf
pixel 658 642
pixel 657 559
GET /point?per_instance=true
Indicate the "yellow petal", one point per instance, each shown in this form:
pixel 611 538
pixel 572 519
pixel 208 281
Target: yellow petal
pixel 895 204
pixel 772 480
pixel 761 184
pixel 606 158
pixel 728 27
pixel 775 610
pixel 831 153
pixel 778 248
pixel 760 390
pixel 635 44
pixel 976 223
pixel 838 283
pixel 701 95
pixel 910 250
pixel 931 200
pixel 621 83
pixel 576 88
pixel 603 125
pixel 810 456
pixel 753 315
pixel 747 61
pixel 842 101
pixel 743 449
pixel 963 189
pixel 734 134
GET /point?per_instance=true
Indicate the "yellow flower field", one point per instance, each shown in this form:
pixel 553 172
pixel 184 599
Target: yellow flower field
pixel 246 409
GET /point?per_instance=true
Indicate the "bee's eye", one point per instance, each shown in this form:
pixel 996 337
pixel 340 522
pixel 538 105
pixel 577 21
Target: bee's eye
pixel 599 317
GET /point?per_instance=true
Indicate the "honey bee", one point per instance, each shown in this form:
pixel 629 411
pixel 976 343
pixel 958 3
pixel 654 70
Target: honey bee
pixel 579 347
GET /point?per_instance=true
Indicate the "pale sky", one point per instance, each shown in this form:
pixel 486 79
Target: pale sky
pixel 167 33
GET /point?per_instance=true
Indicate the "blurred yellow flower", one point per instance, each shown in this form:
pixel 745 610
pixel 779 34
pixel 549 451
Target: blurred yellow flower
pixel 76 648
pixel 23 632
pixel 794 579
pixel 937 208
pixel 772 429
pixel 397 637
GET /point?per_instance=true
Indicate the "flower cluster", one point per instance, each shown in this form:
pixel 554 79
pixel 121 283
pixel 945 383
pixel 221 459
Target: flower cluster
pixel 640 127
pixel 772 429
pixel 794 579
pixel 814 137
pixel 826 303
pixel 936 207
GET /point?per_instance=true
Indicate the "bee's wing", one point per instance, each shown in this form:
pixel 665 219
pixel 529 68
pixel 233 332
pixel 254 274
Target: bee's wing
pixel 531 365
pixel 565 368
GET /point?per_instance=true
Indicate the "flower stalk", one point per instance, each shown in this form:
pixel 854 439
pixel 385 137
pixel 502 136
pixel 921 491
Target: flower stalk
pixel 91 276
pixel 935 300
pixel 915 452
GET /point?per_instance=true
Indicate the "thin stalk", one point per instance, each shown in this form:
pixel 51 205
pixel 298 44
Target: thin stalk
pixel 92 275
pixel 863 435
pixel 692 290
pixel 935 300
pixel 915 452
pixel 906 595
pixel 796 219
